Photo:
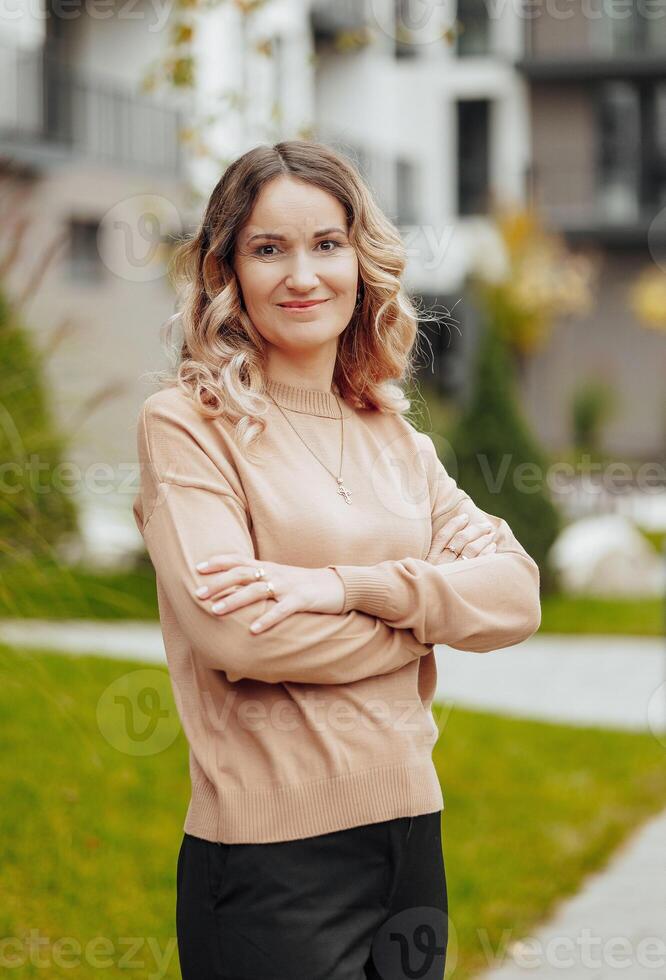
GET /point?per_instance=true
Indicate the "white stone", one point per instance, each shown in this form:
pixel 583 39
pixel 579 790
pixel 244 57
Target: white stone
pixel 608 555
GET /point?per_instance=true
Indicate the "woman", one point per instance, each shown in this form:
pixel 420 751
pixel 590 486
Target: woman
pixel 310 549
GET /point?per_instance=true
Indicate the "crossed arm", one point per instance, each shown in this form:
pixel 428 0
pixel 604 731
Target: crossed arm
pixel 484 603
pixel 393 611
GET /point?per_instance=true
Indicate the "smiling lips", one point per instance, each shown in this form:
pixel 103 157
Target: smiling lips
pixel 295 305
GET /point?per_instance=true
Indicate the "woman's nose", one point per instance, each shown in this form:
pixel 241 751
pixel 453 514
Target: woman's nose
pixel 302 273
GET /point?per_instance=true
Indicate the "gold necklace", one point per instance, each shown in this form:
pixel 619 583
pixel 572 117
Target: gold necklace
pixel 342 489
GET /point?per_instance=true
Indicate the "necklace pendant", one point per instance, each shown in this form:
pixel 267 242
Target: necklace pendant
pixel 344 491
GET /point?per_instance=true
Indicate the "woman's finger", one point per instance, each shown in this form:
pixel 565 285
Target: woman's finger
pixel 447 532
pixel 218 563
pixel 241 596
pixel 456 538
pixel 217 587
pixel 275 614
pixel 225 582
pixel 473 548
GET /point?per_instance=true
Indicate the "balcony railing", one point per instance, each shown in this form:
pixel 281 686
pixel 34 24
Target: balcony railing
pixel 612 46
pixel 49 110
pixel 609 207
pixel 588 66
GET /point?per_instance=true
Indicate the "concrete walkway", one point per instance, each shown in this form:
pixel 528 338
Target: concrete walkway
pixel 610 681
pixel 614 926
pixel 124 640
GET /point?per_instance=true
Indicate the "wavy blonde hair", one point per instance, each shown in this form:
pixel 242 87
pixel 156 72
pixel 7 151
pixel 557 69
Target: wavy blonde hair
pixel 221 360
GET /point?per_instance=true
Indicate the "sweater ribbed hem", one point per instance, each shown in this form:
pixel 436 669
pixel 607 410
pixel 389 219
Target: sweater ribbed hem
pixel 296 811
pixel 363 586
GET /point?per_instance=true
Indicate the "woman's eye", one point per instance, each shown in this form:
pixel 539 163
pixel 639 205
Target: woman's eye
pixel 269 255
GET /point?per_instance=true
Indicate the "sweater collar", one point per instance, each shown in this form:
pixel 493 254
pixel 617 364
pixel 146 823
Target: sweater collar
pixel 309 401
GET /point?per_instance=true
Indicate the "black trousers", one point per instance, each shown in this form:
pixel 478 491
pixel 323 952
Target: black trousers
pixel 365 903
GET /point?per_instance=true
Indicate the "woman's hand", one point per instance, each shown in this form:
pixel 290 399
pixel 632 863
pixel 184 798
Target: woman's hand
pixel 232 583
pixel 465 537
pixel 232 580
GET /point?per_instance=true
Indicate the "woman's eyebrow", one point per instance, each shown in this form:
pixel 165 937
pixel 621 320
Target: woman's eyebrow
pixel 282 238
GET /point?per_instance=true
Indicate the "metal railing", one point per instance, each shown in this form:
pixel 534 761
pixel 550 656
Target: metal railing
pixel 49 104
pixel 584 197
pixel 608 39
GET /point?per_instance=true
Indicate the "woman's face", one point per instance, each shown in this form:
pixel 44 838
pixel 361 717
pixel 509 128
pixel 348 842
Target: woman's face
pixel 294 249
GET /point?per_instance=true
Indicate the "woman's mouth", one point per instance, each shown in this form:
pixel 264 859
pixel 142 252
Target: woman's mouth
pixel 306 305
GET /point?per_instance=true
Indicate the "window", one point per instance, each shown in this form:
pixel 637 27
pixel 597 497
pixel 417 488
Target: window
pixel 473 28
pixel 443 341
pixel 631 30
pixel 656 34
pixel 658 165
pixel 84 258
pixel 409 18
pixel 473 155
pixel 406 193
pixel 631 149
pixel 329 19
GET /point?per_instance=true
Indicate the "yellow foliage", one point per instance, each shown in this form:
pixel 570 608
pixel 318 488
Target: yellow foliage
pixel 264 47
pixel 180 71
pixel 519 229
pixel 249 6
pixel 346 41
pixel 182 33
pixel 648 298
pixel 543 280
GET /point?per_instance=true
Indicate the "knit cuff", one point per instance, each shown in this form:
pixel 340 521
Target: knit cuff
pixel 365 589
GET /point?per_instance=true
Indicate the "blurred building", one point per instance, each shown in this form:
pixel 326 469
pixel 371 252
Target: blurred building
pixel 96 167
pixel 447 108
pixel 597 106
pixel 102 166
pixel 427 99
pixel 451 107
pixel 255 81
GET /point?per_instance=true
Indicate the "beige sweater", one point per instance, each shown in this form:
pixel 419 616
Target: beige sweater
pixel 323 721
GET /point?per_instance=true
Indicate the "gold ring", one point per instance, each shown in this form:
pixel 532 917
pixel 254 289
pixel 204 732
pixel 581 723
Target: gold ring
pixel 259 572
pixel 269 588
pixel 457 554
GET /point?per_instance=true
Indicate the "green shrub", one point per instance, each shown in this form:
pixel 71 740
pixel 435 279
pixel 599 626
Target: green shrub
pixel 34 510
pixel 592 405
pixel 498 461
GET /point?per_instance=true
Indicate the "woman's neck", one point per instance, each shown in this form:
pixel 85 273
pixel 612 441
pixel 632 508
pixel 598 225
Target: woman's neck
pixel 306 399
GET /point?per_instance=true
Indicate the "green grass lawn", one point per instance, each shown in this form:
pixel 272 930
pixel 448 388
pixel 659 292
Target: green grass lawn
pixel 56 592
pixel 91 829
pixel 631 617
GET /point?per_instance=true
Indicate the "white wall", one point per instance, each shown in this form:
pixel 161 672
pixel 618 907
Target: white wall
pixel 395 106
pixel 228 62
